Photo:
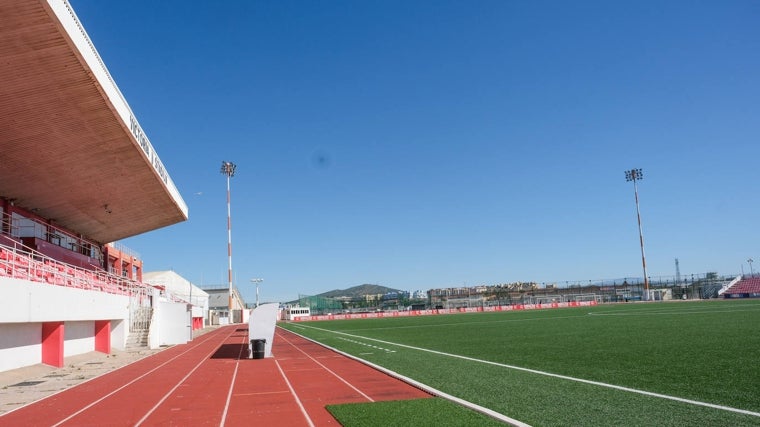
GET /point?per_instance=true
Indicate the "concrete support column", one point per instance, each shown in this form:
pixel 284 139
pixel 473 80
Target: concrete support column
pixel 52 343
pixel 103 336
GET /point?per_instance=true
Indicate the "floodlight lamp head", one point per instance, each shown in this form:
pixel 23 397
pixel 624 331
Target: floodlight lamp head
pixel 228 169
pixel 634 175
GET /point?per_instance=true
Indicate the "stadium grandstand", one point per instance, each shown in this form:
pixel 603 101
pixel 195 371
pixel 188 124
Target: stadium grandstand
pixel 743 287
pixel 77 174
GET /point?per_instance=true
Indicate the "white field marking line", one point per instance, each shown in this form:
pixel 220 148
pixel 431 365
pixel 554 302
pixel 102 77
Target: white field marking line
pixel 166 396
pixel 232 384
pixel 564 377
pixel 664 312
pixel 387 350
pixel 293 392
pixel 705 307
pixel 489 322
pixel 424 387
pixel 207 337
pixel 328 370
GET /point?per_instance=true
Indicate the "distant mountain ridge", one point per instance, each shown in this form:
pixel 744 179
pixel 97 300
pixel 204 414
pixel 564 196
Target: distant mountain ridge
pixel 358 291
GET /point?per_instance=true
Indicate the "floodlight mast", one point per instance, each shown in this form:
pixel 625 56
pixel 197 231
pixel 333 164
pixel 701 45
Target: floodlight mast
pixel 257 281
pixel 228 169
pixel 637 175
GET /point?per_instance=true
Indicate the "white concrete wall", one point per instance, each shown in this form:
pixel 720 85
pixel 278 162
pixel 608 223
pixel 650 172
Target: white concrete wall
pixel 119 333
pixel 26 305
pixel 154 332
pixel 198 311
pixel 25 301
pixel 78 338
pixel 20 345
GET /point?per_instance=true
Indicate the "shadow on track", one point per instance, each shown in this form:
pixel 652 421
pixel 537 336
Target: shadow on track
pixel 231 351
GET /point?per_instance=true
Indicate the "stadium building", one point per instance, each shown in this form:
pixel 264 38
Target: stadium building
pixel 77 172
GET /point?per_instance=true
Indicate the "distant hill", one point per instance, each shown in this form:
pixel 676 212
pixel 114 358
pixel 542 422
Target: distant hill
pixel 358 291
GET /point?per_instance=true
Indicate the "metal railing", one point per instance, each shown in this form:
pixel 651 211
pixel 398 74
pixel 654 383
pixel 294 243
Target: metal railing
pixel 25 264
pixel 19 226
pixel 125 250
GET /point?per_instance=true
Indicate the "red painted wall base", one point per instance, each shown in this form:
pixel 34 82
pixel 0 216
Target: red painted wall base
pixel 52 343
pixel 103 336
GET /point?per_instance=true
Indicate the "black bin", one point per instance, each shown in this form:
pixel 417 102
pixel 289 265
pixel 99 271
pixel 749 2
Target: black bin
pixel 258 347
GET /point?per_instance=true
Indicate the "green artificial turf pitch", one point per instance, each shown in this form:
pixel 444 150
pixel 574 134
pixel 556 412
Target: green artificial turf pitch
pixel 531 365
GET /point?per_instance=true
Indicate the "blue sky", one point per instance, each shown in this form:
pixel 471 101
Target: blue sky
pixel 432 144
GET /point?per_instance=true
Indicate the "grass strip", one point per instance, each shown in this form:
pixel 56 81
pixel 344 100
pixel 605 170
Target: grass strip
pixel 417 412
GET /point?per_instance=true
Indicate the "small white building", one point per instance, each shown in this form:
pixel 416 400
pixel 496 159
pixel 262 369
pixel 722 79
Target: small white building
pixel 176 288
pixel 295 313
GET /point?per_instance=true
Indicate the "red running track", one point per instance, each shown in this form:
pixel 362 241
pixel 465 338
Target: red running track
pixel 210 381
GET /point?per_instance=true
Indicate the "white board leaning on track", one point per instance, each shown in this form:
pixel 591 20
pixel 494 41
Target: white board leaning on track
pixel 261 326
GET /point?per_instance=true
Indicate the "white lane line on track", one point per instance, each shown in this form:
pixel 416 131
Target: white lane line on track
pixel 295 395
pixel 166 396
pixel 207 337
pixel 327 369
pixel 564 377
pixel 232 384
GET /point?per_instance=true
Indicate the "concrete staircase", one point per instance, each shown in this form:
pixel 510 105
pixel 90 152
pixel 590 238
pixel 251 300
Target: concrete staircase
pixel 137 340
pixel 138 337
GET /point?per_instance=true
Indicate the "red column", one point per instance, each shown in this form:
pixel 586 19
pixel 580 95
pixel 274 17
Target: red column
pixel 52 344
pixel 103 336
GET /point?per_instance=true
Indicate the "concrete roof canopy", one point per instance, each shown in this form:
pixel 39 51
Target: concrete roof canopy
pixel 70 147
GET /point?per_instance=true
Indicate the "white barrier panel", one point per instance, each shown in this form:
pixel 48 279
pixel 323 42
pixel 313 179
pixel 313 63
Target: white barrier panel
pixel 172 320
pixel 261 326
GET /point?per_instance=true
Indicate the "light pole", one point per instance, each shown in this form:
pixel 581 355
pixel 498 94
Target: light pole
pixel 636 175
pixel 257 281
pixel 228 169
pixel 751 272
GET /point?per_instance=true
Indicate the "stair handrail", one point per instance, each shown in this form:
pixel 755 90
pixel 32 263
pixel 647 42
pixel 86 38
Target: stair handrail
pixel 729 284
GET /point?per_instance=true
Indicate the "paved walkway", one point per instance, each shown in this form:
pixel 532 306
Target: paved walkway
pixel 19 387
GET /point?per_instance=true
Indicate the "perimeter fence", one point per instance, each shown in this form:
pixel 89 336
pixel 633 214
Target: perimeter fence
pixel 688 286
pixel 691 286
pixel 320 304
